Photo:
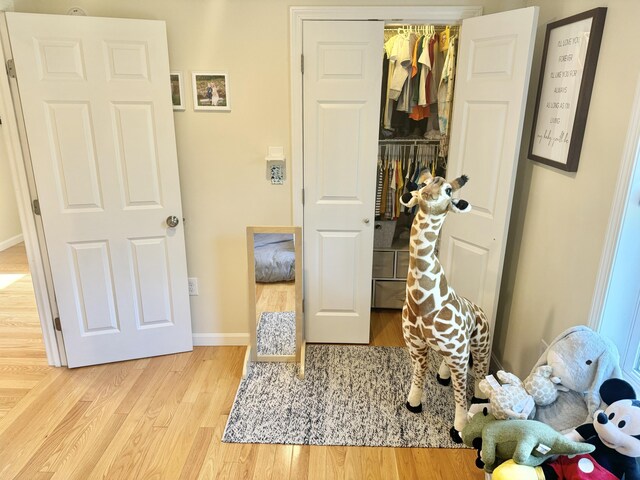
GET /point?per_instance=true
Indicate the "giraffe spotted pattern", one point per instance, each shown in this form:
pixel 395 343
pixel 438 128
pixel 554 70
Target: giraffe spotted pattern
pixel 433 315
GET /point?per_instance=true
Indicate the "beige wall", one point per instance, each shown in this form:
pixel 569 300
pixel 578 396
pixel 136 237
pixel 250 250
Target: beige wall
pixel 559 219
pixel 221 155
pixel 10 223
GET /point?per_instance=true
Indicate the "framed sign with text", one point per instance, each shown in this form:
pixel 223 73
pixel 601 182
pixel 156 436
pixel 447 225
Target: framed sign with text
pixel 571 48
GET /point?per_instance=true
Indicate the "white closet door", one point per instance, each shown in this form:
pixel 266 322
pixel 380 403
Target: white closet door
pixel 341 89
pixel 97 109
pixel 492 80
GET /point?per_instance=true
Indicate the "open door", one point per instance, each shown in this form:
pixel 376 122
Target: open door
pixel 341 100
pixel 99 123
pixel 492 80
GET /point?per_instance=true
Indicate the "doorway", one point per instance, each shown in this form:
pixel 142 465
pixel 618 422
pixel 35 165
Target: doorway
pixel 494 64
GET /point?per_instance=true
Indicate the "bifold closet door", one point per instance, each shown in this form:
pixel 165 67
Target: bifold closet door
pixel 341 89
pixel 492 79
pixel 97 110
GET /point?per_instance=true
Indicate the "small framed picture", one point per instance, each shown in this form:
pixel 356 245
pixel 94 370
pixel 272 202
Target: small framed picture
pixel 177 93
pixel 211 91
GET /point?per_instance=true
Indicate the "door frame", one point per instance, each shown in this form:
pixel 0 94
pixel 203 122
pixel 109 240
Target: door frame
pixel 298 15
pixel 621 200
pixel 19 164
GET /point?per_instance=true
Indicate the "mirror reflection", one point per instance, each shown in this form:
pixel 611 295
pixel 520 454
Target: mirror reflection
pixel 275 289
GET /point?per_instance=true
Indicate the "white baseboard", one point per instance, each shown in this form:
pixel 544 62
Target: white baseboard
pixel 11 242
pixel 220 339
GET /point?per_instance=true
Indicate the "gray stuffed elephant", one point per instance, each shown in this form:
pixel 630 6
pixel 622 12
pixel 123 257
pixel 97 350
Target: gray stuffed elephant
pixel 581 359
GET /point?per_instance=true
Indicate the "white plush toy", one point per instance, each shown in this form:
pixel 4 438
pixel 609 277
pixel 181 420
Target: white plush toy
pixel 543 386
pixel 508 401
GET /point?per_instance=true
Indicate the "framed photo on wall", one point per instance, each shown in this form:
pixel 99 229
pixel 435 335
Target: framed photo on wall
pixel 177 92
pixel 211 91
pixel 571 48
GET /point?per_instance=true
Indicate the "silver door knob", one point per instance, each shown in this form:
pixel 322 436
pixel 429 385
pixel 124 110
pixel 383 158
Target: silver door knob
pixel 173 221
pixel 365 220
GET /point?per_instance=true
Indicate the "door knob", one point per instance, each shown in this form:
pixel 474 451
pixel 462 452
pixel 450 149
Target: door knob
pixel 365 220
pixel 173 221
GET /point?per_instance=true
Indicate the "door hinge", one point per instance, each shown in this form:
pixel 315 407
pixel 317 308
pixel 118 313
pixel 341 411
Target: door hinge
pixel 11 68
pixel 56 323
pixel 36 207
pixel 303 196
pixel 302 63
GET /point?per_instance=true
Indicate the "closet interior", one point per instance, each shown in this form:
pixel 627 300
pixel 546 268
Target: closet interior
pixel 418 78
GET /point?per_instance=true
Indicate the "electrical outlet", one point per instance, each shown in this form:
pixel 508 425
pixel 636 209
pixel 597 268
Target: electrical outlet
pixel 193 286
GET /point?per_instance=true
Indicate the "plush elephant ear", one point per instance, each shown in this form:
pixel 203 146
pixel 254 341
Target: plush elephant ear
pixel 608 367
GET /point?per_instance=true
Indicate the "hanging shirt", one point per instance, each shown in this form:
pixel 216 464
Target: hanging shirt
pixel 400 85
pixel 445 89
pixel 391 48
pixel 425 66
pixel 417 112
pixel 434 55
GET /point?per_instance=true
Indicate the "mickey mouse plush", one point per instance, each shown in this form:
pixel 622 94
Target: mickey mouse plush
pixel 615 432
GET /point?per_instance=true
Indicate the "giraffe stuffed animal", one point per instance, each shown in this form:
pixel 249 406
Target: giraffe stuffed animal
pixel 433 315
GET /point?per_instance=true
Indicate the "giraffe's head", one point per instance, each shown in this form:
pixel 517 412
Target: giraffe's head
pixel 434 195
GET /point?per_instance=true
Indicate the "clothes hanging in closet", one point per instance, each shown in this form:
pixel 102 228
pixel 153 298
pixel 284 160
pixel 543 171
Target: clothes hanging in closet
pixel 400 165
pixel 417 76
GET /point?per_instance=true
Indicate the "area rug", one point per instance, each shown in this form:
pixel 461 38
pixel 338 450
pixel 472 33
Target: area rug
pixel 351 395
pixel 277 333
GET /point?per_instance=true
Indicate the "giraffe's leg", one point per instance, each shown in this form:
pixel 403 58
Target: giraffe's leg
pixel 444 374
pixel 481 353
pixel 418 350
pixel 458 365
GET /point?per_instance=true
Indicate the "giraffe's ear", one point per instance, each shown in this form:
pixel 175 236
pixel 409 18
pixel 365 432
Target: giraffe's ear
pixel 409 199
pixel 460 206
pixel 459 182
pixel 424 177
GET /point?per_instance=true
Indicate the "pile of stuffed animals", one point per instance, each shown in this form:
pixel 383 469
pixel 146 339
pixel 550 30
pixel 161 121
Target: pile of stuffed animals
pixel 574 388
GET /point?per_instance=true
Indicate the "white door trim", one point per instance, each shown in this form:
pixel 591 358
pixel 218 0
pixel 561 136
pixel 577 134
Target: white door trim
pixel 435 15
pixel 621 194
pixel 18 167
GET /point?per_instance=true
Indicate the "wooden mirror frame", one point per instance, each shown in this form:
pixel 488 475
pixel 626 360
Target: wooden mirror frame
pixel 252 350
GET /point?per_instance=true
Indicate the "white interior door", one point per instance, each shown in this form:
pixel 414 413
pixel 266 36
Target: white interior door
pixel 492 80
pixel 97 109
pixel 341 100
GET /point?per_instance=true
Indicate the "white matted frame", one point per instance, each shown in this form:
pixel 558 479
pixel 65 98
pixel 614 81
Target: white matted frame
pixel 177 90
pixel 252 350
pixel 298 15
pixel 211 91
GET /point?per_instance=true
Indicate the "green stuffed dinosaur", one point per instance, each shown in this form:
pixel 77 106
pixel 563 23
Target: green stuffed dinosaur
pixel 527 442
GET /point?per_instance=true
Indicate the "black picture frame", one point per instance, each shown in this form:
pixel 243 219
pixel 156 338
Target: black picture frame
pixel 565 94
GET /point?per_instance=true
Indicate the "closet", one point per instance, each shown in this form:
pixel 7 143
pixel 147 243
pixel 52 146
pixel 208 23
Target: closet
pixel 418 78
pixel 338 140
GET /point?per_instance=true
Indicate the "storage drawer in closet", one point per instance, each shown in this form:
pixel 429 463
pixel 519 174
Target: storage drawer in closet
pixel 383 264
pixel 389 294
pixel 402 264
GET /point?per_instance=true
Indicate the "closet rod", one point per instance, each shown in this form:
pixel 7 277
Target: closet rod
pixel 409 141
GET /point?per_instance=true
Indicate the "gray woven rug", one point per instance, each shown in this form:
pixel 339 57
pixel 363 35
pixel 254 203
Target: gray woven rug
pixel 277 333
pixel 351 395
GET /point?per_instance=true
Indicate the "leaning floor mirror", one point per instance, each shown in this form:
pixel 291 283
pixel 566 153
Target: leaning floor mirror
pixel 274 257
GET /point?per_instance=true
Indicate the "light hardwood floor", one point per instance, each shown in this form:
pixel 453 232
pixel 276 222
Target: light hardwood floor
pixel 162 418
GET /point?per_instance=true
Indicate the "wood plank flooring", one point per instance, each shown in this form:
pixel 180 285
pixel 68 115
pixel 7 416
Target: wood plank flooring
pixel 162 418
